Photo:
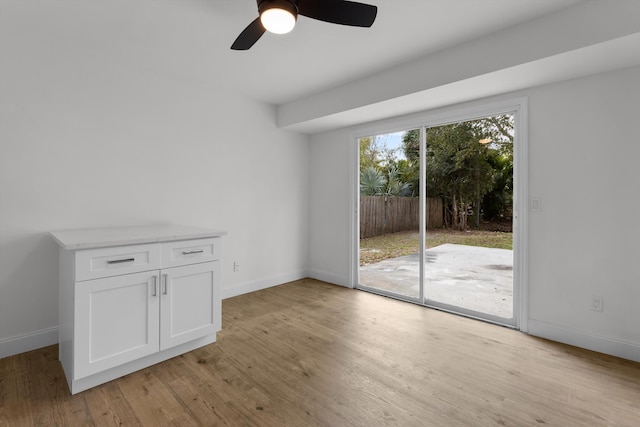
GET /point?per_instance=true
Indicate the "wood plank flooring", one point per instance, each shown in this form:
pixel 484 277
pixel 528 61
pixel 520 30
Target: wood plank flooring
pixel 308 353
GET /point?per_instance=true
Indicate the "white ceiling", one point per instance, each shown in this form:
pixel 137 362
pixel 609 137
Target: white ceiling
pixel 190 39
pixel 318 55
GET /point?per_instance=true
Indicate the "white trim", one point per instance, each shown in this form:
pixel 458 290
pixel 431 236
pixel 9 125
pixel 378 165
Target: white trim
pixel 452 114
pixel 521 210
pixel 422 200
pixel 618 348
pixel 230 291
pixel 27 342
pixel 354 213
pixel 461 112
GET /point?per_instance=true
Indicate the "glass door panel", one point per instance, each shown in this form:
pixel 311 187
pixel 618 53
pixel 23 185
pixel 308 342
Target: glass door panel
pixel 390 214
pixel 468 257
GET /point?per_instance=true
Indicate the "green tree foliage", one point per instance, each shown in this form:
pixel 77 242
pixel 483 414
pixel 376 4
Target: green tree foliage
pixel 411 149
pixel 457 168
pixel 372 181
pixel 369 154
pixel 381 172
pixel 374 153
pixel 498 202
pixel 411 145
pixel 465 173
pixel 395 184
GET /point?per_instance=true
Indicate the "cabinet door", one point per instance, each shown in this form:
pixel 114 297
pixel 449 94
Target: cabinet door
pixel 190 303
pixel 117 321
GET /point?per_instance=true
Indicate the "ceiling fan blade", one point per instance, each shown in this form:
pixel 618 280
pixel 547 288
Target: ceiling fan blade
pixel 249 36
pixel 339 12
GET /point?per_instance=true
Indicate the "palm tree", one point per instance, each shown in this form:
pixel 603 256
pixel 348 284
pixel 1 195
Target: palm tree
pixel 395 186
pixel 372 182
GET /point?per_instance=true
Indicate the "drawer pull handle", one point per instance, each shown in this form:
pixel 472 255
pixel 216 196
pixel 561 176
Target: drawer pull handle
pixel 199 251
pixel 165 284
pixel 155 286
pixel 119 261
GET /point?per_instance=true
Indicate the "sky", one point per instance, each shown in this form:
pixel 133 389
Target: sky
pixel 393 140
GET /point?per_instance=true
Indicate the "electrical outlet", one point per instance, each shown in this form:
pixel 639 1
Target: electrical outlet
pixel 536 204
pixel 236 266
pixel 597 303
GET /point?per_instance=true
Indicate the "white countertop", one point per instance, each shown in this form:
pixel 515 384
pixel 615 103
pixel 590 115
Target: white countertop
pixel 118 236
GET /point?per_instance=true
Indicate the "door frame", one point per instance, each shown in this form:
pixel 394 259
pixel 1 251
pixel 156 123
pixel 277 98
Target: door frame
pixel 518 106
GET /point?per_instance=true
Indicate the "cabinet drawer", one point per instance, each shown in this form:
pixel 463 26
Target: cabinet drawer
pixel 187 252
pixel 105 262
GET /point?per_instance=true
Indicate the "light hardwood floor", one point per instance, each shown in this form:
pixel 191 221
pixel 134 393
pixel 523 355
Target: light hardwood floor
pixel 309 353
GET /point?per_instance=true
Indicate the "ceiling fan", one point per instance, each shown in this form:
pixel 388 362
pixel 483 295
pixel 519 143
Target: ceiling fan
pixel 279 17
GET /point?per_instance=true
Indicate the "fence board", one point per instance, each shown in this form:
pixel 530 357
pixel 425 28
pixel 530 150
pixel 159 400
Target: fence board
pixel 391 214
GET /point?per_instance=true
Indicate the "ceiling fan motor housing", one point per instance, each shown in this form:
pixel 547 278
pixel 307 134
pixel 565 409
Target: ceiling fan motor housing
pixel 289 6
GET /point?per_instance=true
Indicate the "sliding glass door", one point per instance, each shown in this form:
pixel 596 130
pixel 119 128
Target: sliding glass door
pixel 435 218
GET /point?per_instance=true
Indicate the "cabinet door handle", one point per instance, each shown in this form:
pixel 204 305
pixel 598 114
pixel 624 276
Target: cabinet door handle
pixel 155 286
pixel 164 276
pixel 118 261
pixel 192 252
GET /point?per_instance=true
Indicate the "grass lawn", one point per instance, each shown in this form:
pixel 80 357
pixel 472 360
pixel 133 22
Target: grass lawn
pixel 375 249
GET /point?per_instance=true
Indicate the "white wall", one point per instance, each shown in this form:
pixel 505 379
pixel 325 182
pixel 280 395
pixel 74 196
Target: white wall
pixel 329 211
pixel 591 37
pixel 583 154
pixel 86 141
pixel 583 165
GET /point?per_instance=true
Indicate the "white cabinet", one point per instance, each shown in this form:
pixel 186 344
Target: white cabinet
pixel 128 306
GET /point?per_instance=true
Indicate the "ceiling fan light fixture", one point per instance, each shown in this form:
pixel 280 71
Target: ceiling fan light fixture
pixel 278 17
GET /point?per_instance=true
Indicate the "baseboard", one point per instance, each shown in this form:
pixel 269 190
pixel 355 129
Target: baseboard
pixel 618 348
pixel 230 291
pixel 328 277
pixel 28 342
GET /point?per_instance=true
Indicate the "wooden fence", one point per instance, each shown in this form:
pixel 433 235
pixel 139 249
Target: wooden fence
pixel 390 214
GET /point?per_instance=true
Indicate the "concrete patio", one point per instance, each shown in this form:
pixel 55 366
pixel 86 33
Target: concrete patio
pixel 471 277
